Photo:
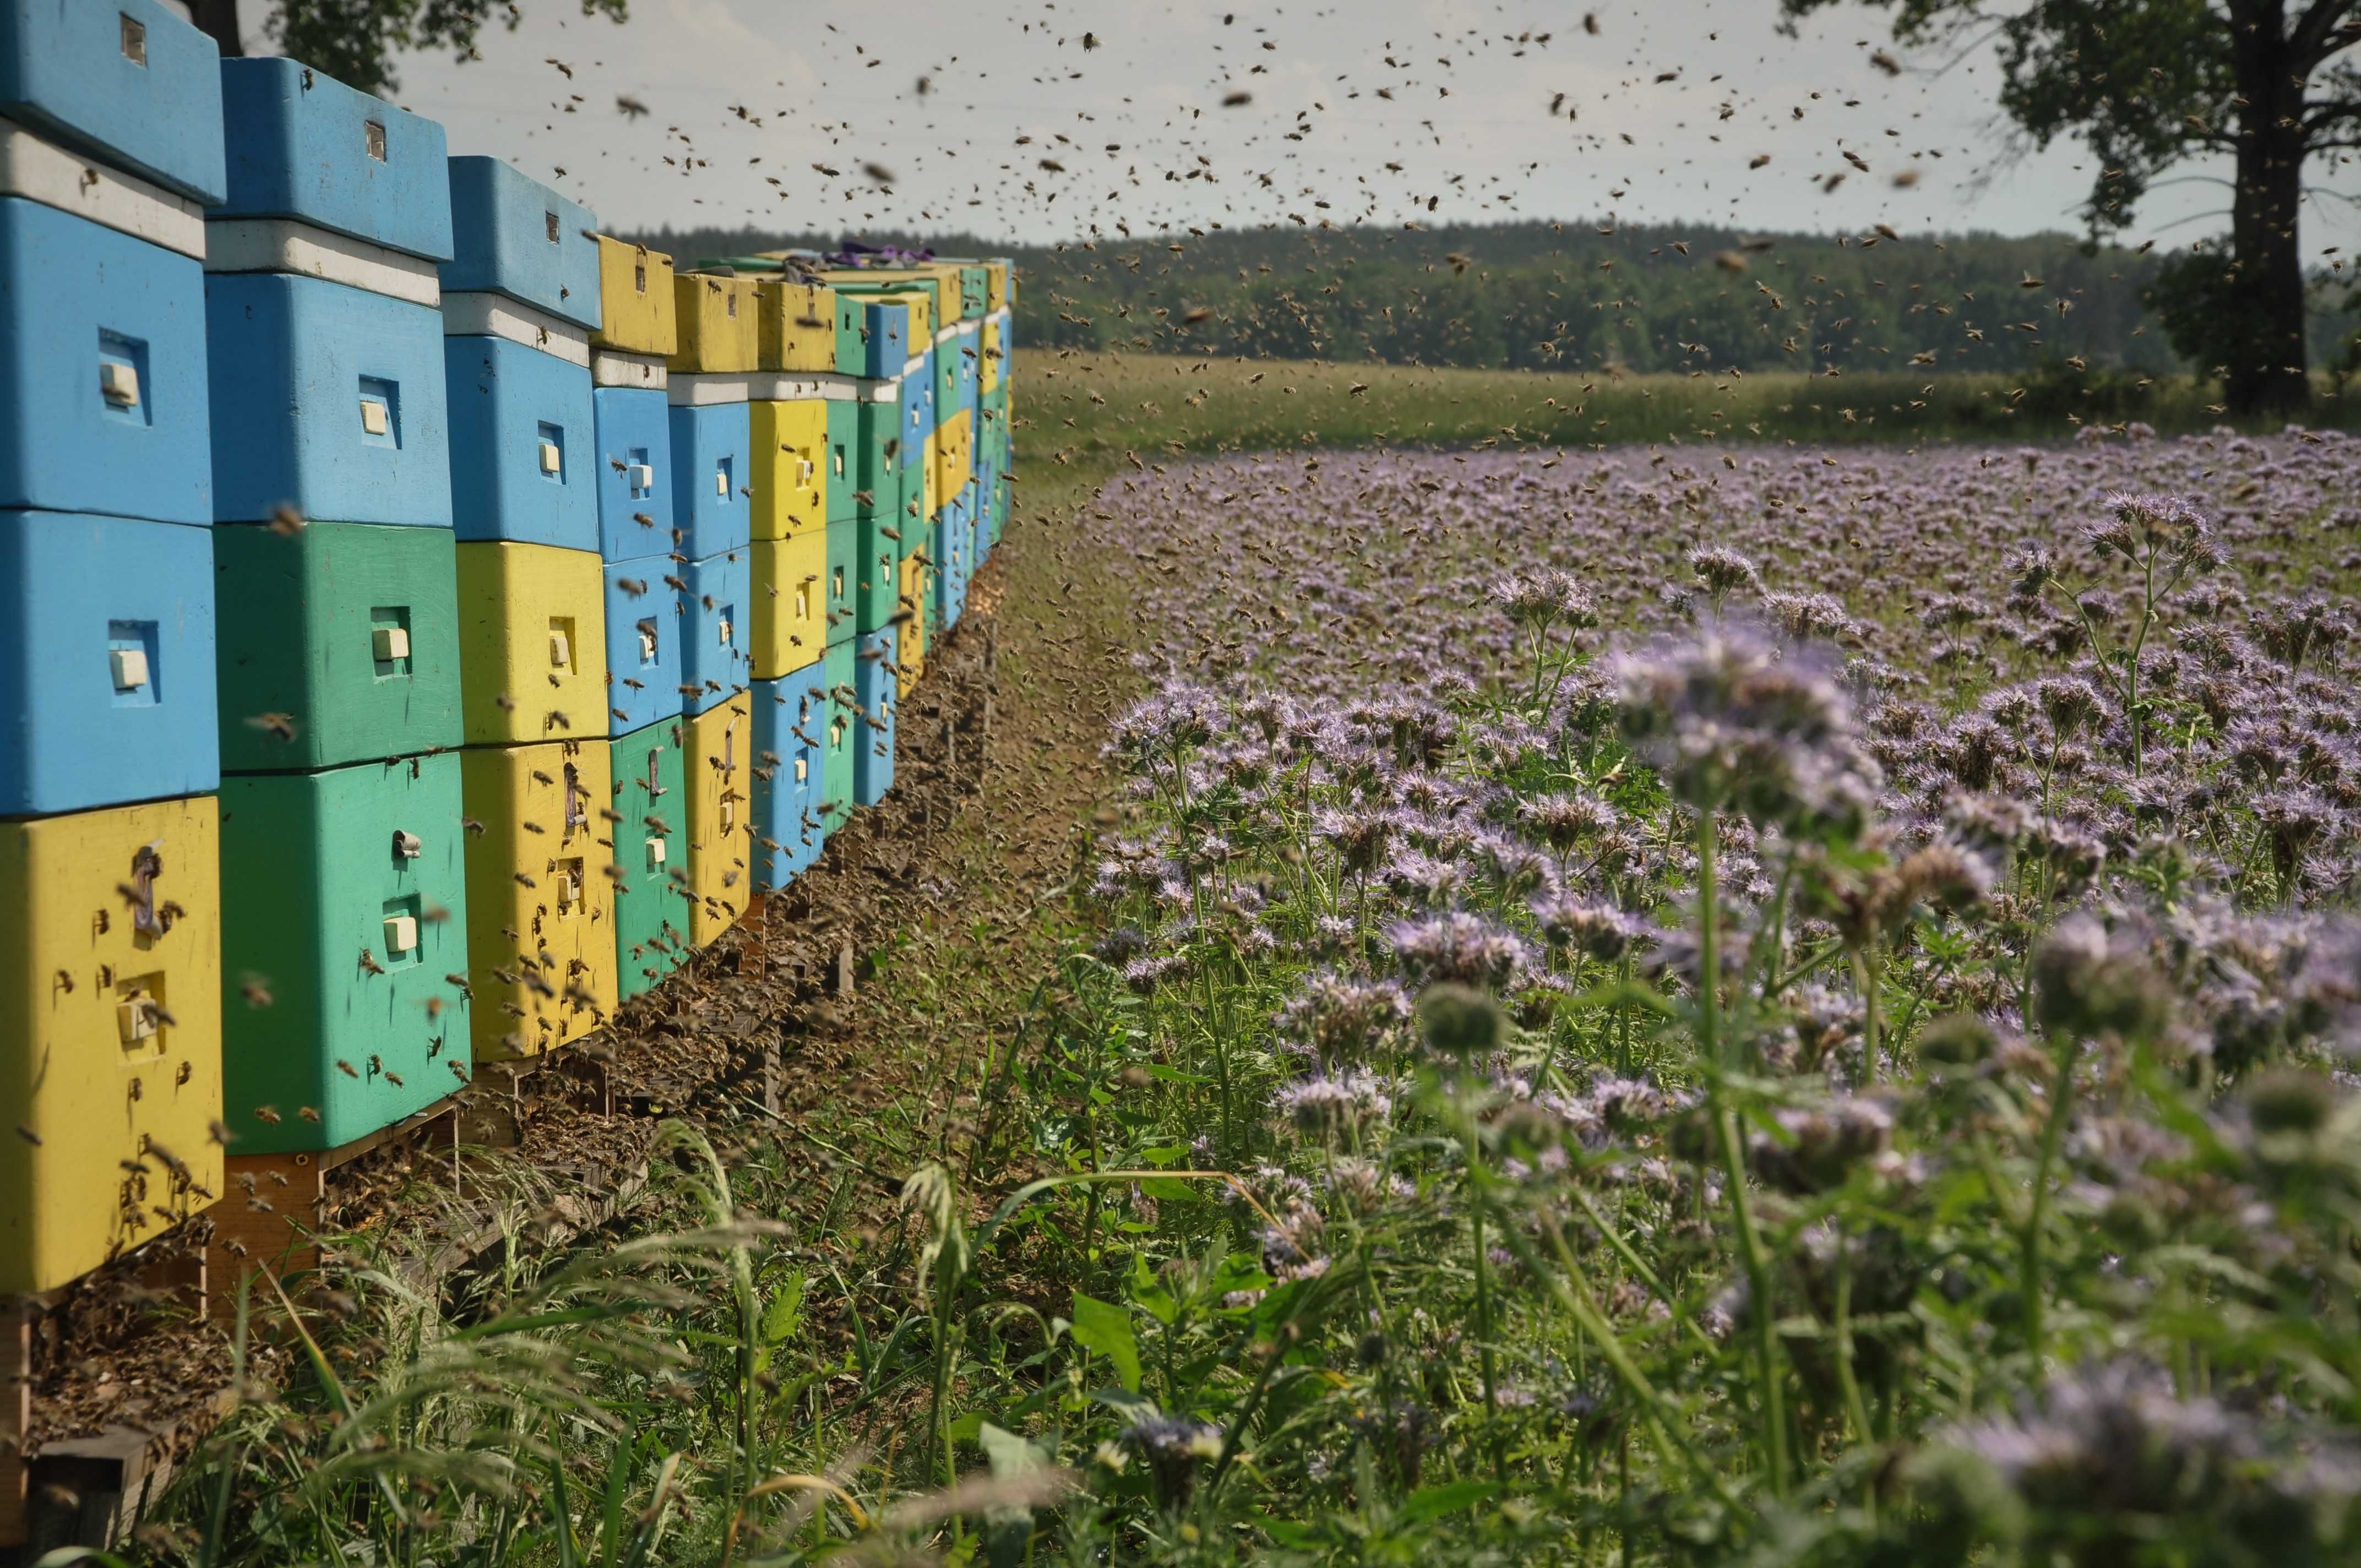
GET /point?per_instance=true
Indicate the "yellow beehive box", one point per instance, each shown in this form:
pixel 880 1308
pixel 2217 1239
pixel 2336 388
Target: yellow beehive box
pixel 540 895
pixel 110 1034
pixel 995 287
pixel 532 642
pixel 930 472
pixel 940 278
pixel 988 368
pixel 952 448
pixel 788 464
pixel 718 331
pixel 717 753
pixel 635 304
pixel 910 653
pixel 924 317
pixel 797 325
pixel 790 603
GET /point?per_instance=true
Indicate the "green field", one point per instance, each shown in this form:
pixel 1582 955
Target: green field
pixel 1074 406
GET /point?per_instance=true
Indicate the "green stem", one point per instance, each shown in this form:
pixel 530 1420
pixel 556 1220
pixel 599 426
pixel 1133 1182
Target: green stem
pixel 1856 1409
pixel 2029 1277
pixel 1483 1308
pixel 1670 1445
pixel 1864 979
pixel 1725 1124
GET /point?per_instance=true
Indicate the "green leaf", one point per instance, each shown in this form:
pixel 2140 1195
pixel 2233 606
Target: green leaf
pixel 1106 1328
pixel 1147 1291
pixel 1009 1455
pixel 969 1428
pixel 1434 1502
pixel 1174 1075
pixel 782 1317
pixel 1134 1407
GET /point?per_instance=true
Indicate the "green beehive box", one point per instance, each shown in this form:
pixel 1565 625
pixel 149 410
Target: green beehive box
pixel 337 643
pixel 851 341
pixel 651 844
pixel 974 284
pixel 876 588
pixel 842 735
pixel 343 915
pixel 845 420
pixel 844 575
pixel 883 464
pixel 861 316
pixel 912 519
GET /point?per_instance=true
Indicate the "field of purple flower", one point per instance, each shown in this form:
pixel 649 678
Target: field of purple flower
pixel 1792 1005
pixel 1636 1007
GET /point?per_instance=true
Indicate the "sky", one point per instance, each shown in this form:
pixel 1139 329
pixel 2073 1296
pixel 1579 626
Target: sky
pixel 1046 122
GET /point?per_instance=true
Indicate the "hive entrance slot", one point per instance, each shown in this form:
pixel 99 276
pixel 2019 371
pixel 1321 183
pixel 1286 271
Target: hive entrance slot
pixel 139 1015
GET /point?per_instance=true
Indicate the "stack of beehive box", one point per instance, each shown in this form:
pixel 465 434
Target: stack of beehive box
pixel 633 340
pixel 994 449
pixel 801 569
pixel 709 387
pixel 939 355
pixel 873 650
pixel 110 957
pixel 522 297
pixel 343 895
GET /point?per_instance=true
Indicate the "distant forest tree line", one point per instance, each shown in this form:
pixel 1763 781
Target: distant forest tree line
pixel 1598 297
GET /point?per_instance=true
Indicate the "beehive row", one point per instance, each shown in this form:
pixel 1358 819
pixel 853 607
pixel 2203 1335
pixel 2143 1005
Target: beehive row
pixel 429 618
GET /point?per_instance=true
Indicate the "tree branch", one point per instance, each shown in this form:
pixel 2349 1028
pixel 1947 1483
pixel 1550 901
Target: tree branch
pixel 2320 32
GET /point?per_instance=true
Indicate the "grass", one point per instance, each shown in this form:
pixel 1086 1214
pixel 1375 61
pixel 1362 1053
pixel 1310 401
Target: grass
pixel 1079 406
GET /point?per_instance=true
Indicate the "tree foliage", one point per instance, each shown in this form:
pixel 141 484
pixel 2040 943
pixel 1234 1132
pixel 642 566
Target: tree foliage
pixel 355 40
pixel 2148 84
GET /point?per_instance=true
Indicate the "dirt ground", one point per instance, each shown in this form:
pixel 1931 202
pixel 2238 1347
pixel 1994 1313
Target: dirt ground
pixel 849 1023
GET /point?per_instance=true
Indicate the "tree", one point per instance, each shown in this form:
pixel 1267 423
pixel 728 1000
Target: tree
pixel 2147 83
pixel 355 40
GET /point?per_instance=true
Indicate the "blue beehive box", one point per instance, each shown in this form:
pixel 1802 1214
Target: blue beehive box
pixel 522 444
pixel 512 235
pixel 102 371
pixel 107 661
pixel 301 145
pixel 714 629
pixel 710 476
pixel 966 379
pixel 634 478
pixel 875 681
pixel 790 757
pixel 886 341
pixel 643 631
pixel 127 82
pixel 326 399
pixel 946 584
pixel 920 415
